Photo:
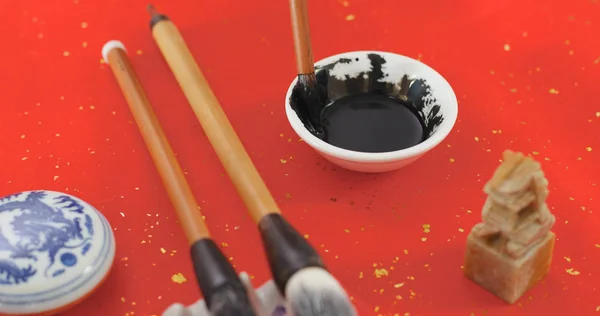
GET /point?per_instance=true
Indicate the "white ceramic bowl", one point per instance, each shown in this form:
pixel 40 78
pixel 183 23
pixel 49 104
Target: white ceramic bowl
pixel 402 76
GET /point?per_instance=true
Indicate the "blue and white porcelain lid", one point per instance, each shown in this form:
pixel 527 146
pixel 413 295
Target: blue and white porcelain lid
pixel 54 250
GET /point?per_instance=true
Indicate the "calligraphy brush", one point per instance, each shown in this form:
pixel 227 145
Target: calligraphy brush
pixel 297 269
pixel 223 291
pixel 309 97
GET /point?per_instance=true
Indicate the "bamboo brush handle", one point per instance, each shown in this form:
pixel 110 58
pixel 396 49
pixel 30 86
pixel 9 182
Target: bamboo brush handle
pixel 173 178
pixel 217 127
pixel 301 30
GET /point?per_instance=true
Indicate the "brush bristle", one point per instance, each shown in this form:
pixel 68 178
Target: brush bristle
pixel 308 100
pixel 231 300
pixel 315 292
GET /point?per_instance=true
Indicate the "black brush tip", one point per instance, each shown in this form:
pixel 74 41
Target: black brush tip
pixel 287 251
pixel 231 300
pixel 308 99
pixel 223 291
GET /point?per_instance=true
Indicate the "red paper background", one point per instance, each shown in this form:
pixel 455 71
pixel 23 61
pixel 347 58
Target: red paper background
pixel 65 126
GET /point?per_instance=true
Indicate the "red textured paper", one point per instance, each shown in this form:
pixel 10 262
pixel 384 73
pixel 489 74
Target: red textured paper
pixel 526 74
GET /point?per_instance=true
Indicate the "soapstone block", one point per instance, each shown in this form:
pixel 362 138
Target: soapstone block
pixel 502 275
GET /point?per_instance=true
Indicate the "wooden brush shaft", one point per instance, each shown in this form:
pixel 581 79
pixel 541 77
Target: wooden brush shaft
pixel 301 30
pixel 217 127
pixel 173 178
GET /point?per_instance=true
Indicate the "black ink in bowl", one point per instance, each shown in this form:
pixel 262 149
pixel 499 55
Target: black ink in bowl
pixel 370 122
pixel 362 111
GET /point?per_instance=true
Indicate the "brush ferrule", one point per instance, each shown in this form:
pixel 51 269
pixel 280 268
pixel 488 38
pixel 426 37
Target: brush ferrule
pixel 223 291
pixel 287 251
pixel 157 18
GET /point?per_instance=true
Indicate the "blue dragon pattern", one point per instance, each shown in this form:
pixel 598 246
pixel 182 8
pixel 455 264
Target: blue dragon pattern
pixel 32 226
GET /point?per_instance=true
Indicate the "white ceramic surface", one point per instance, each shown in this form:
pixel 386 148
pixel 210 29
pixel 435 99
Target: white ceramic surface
pixel 395 68
pixel 267 301
pixel 54 250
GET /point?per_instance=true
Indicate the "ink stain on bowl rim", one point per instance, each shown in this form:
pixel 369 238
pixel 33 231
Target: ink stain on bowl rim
pixel 397 76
